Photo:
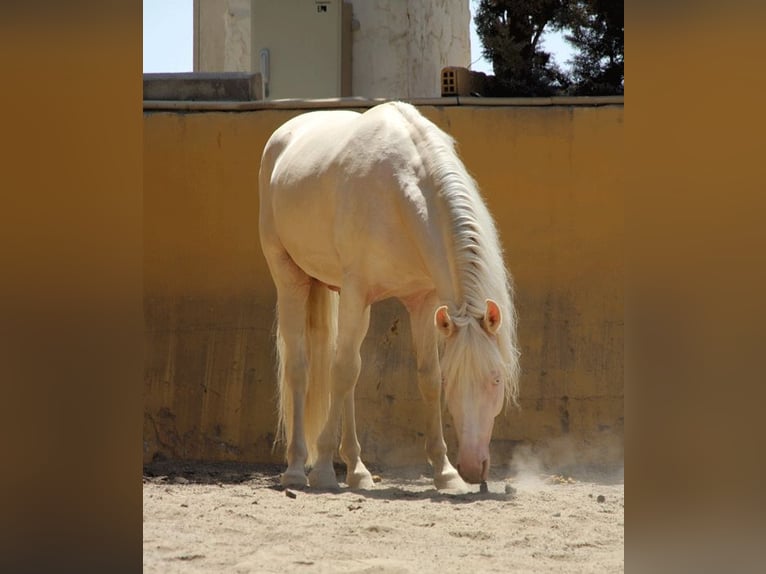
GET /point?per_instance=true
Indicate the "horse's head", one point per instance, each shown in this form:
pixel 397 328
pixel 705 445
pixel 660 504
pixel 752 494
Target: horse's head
pixel 475 379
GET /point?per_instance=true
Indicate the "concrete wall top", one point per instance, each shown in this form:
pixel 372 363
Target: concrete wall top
pixel 359 102
pixel 201 86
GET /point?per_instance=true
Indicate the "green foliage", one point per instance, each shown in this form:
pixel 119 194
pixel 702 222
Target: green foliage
pixel 511 32
pixel 597 32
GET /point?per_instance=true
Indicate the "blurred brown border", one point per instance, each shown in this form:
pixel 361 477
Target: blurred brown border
pixel 70 294
pixel 694 287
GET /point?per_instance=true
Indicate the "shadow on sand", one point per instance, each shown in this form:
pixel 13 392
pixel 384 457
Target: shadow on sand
pixel 396 484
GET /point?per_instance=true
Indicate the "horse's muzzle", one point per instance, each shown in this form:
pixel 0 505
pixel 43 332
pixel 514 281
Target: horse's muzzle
pixel 474 473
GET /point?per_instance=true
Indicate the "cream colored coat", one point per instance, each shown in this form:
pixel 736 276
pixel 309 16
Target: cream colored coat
pixel 356 208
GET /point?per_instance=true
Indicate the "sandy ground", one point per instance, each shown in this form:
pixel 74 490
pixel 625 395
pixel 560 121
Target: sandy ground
pixel 236 518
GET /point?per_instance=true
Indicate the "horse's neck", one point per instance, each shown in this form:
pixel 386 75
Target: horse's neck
pixel 458 241
pixel 463 245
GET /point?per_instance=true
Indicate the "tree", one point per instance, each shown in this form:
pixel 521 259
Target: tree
pixel 511 31
pixel 598 35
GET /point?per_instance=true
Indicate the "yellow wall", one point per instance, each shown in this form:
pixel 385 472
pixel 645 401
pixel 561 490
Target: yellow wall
pixel 553 178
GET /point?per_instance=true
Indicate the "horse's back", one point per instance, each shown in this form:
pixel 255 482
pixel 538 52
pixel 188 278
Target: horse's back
pixel 310 144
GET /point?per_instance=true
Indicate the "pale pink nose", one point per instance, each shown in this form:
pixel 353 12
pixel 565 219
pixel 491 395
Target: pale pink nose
pixel 473 469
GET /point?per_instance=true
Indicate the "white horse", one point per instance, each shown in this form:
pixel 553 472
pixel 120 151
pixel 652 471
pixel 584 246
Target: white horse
pixel 356 208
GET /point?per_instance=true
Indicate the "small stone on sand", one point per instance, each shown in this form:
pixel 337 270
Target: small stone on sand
pixel 483 488
pixel 600 498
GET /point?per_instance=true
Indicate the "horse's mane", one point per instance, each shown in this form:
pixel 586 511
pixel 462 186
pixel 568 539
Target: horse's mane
pixel 478 262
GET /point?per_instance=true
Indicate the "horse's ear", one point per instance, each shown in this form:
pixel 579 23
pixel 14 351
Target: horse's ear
pixel 492 317
pixel 443 321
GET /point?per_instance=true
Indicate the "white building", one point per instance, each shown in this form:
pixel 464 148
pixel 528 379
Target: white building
pixel 332 48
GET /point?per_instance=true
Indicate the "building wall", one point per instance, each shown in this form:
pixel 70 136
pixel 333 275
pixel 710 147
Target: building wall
pixel 552 177
pixel 305 42
pixel 398 47
pixel 222 35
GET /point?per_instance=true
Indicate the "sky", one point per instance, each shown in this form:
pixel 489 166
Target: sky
pixel 169 39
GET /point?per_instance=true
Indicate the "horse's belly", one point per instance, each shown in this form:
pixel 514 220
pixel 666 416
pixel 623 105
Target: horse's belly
pixel 382 264
pixel 318 264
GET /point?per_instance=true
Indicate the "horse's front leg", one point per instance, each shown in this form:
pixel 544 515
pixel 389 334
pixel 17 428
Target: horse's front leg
pixel 357 475
pixel 429 383
pixel 430 386
pixel 353 321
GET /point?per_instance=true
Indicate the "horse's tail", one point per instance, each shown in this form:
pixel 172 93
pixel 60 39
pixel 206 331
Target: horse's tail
pixel 321 334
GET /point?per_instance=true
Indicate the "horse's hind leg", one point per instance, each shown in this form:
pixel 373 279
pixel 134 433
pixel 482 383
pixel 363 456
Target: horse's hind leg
pixel 353 321
pixel 293 287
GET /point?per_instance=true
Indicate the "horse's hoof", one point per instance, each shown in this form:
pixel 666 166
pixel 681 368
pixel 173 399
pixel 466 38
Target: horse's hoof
pixel 360 481
pixel 451 482
pixel 323 479
pixel 293 479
